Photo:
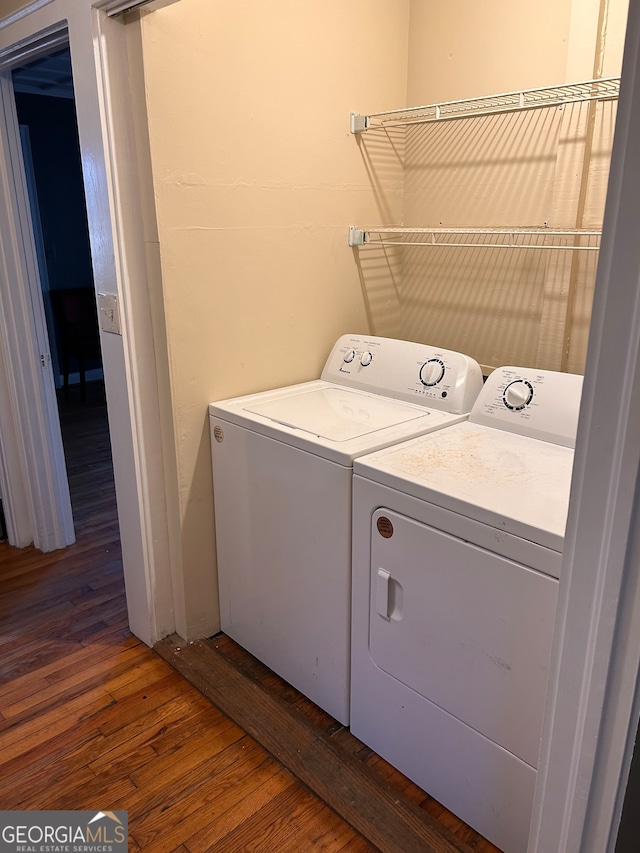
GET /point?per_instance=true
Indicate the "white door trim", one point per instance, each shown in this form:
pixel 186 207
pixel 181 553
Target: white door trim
pixel 139 467
pixel 592 716
pixel 119 257
pixel 30 390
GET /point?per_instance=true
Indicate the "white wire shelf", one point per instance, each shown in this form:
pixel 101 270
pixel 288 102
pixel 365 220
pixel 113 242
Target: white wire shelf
pixel 477 238
pixel 605 89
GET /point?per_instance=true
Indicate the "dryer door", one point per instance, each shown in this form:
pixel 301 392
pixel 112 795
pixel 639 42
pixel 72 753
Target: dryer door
pixel 469 630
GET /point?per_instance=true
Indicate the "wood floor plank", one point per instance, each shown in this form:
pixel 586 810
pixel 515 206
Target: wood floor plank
pixel 81 712
pixel 183 791
pixel 272 823
pixel 334 840
pixel 33 628
pixel 198 730
pixel 393 826
pixel 43 733
pixel 233 812
pixel 97 653
pixel 227 748
pixel 33 771
pixel 44 796
pixel 143 730
pixel 86 796
pixel 234 785
pixel 134 701
pixel 22 567
pixel 112 631
pixel 321 830
pixel 20 689
pixel 60 668
pixel 185 758
pixel 75 683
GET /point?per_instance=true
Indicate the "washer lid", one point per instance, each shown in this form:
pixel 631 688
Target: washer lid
pixel 329 420
pixel 336 414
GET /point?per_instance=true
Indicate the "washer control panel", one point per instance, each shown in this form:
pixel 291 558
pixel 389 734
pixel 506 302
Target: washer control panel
pixel 540 404
pixel 405 370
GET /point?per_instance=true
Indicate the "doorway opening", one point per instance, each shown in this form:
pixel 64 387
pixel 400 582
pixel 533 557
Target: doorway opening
pixel 45 106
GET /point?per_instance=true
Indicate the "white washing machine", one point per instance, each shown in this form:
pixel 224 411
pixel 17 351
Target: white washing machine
pixel 282 471
pixel 457 545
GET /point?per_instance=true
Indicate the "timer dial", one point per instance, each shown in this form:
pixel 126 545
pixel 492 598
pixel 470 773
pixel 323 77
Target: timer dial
pixel 431 372
pixel 349 356
pixel 366 359
pixel 517 395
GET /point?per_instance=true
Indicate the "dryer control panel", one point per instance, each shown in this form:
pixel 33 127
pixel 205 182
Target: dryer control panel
pixel 541 404
pixel 404 370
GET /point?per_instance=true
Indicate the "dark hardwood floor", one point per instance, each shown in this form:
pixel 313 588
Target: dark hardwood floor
pixel 90 718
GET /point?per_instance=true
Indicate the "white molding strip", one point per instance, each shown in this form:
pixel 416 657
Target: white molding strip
pixel 49 40
pixel 113 8
pixel 592 713
pixel 119 7
pixel 18 15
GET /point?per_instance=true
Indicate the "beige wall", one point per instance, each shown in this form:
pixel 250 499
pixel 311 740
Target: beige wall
pixel 482 172
pixel 460 50
pixel 257 179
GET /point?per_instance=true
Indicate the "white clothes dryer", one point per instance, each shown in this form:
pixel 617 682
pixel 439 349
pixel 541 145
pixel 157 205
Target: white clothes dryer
pixel 457 546
pixel 282 472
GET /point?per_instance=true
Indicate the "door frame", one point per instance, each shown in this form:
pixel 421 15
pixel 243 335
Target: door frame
pixel 98 46
pixel 592 709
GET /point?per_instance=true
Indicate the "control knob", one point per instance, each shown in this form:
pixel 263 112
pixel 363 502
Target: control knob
pixel 366 359
pixel 431 372
pixel 518 394
pixel 349 356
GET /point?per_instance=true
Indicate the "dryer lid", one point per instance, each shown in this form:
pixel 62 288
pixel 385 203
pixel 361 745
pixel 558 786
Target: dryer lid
pixel 336 414
pixel 509 481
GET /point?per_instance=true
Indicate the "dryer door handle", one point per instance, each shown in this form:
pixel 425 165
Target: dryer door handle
pixel 389 597
pixel 383 584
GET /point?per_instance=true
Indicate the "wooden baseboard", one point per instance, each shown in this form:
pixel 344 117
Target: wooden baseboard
pixel 322 755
